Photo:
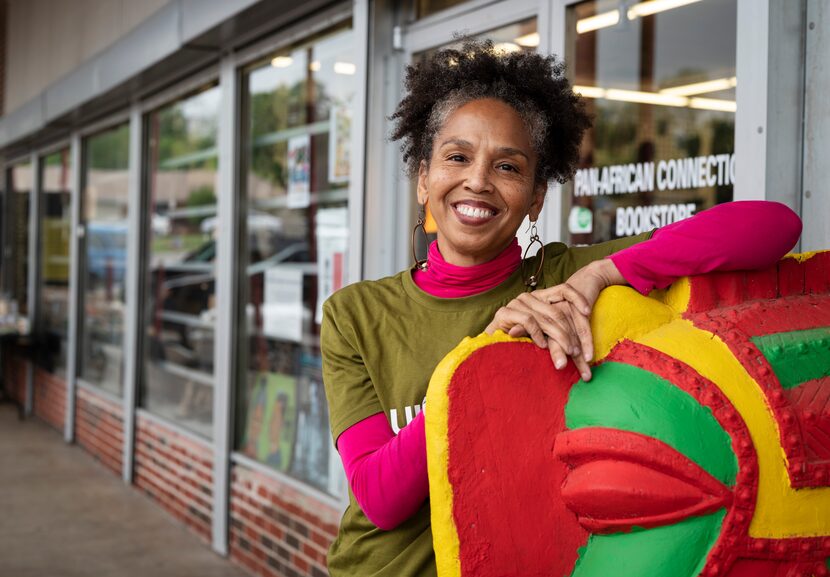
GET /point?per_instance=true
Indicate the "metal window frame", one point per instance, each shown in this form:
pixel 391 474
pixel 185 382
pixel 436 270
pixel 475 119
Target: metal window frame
pixel 439 29
pixel 203 79
pixel 104 124
pixel 98 391
pixel 240 62
pixel 206 79
pixel 173 427
pixel 320 22
pixel 35 276
pixel 7 166
pixel 112 122
pixel 385 214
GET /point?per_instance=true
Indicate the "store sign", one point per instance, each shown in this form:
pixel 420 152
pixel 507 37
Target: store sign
pixel 647 177
pixel 674 174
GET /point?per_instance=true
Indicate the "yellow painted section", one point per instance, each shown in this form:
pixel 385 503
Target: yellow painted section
pixel 436 412
pixel 804 256
pixel 623 313
pixel 677 296
pixel 780 511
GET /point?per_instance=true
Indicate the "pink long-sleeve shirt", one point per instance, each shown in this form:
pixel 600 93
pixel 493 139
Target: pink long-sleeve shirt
pixel 388 473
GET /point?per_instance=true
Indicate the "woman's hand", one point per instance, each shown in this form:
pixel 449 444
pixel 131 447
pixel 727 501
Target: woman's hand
pixel 558 318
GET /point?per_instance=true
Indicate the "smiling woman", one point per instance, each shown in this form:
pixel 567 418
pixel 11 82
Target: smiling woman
pixel 484 131
pixel 480 182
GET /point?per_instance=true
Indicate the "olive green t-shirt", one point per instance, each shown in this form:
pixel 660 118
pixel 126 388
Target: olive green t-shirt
pixel 381 341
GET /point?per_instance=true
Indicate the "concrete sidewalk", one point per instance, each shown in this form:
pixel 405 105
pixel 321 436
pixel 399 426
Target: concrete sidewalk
pixel 64 515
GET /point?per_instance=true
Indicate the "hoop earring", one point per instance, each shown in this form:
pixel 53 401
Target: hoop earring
pixel 533 279
pixel 420 264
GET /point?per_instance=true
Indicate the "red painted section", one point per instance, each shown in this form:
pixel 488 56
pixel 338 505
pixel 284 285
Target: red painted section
pixel 790 277
pixel 817 274
pixel 811 401
pixel 782 315
pixel 735 326
pixel 762 284
pixel 648 483
pixel 496 480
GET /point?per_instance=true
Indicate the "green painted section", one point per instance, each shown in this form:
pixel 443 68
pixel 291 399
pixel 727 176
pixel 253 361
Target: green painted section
pixel 678 550
pixel 797 356
pixel 827 562
pixel 632 399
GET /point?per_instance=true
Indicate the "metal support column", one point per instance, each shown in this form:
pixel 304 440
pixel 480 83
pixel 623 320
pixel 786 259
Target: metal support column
pixel 226 288
pixel 752 67
pixel 815 193
pixel 74 278
pixel 133 329
pixel 357 175
pixel 33 274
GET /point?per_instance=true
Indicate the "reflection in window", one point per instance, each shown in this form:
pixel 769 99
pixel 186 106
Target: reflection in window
pixel 664 114
pixel 299 108
pixel 55 230
pixel 104 220
pixel 181 251
pixel 16 257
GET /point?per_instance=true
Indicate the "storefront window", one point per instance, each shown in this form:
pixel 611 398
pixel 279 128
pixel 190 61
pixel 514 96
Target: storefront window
pixel 16 252
pixel 179 303
pixel 663 103
pixel 104 222
pixel 55 230
pixel 299 108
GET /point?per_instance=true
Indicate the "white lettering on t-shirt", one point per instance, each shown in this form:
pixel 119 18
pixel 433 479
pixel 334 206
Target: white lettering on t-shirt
pixel 410 413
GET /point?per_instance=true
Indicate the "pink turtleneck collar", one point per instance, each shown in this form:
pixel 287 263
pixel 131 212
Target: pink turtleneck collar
pixel 445 280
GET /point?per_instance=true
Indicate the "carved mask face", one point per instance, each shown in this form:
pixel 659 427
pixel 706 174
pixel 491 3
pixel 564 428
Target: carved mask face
pixel 668 462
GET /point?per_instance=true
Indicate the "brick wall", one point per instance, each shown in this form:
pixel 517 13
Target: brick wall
pixel 99 428
pixel 176 471
pixel 50 398
pixel 276 530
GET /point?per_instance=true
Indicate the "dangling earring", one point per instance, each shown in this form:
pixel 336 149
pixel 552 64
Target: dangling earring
pixel 420 264
pixel 533 280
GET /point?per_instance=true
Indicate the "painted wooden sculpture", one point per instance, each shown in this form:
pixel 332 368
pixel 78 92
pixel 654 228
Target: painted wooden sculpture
pixel 700 447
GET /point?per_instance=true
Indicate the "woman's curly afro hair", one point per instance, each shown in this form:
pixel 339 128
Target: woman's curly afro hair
pixel 534 85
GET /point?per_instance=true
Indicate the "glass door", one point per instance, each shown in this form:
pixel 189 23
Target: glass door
pixel 659 79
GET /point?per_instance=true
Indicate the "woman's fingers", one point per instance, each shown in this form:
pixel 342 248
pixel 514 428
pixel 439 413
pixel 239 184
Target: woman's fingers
pixel 560 327
pixel 582 329
pixel 510 317
pixel 557 354
pixel 582 367
pixel 565 292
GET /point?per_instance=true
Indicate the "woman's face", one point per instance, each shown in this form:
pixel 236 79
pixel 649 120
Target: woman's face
pixel 480 181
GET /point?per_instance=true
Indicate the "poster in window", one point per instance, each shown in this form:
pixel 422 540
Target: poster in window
pixel 313 448
pixel 340 133
pixel 270 424
pixel 332 245
pixel 299 171
pixel 283 308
